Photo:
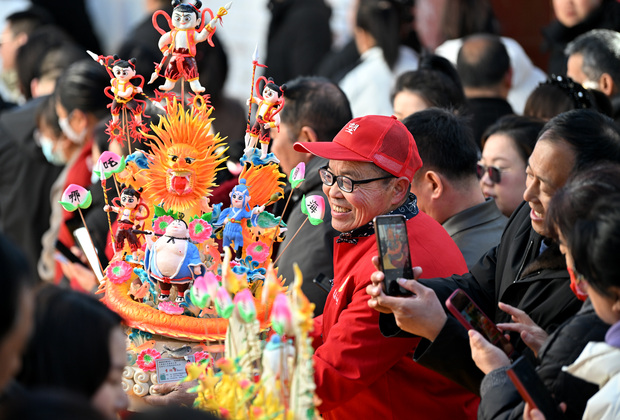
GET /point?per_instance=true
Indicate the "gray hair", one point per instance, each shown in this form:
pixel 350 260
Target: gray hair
pixel 600 49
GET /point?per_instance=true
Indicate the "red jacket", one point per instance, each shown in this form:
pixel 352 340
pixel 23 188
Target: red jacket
pixel 360 374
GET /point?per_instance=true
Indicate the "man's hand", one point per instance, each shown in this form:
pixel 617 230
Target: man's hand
pixel 420 314
pixel 172 394
pixel 531 334
pixel 487 356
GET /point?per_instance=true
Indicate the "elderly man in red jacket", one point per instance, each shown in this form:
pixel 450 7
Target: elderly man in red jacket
pixel 360 373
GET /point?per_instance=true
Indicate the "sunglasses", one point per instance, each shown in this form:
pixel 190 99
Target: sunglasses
pixel 495 174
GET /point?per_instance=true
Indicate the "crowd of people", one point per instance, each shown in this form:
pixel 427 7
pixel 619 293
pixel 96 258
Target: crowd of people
pixel 508 180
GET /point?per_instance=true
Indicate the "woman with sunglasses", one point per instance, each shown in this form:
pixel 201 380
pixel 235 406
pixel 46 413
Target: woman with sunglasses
pixel 506 147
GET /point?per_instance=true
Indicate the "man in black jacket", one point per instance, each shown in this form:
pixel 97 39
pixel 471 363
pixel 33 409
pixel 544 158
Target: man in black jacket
pixel 526 270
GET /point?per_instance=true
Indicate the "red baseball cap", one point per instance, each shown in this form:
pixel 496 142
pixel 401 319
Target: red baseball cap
pixel 379 139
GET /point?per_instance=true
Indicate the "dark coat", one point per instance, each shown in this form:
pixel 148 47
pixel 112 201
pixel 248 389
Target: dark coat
pixel 557 36
pixel 313 249
pixel 500 399
pixel 484 112
pixel 298 39
pixel 513 273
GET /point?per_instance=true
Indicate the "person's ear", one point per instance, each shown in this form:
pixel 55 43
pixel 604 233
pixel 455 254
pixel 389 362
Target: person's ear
pixel 435 183
pixel 307 134
pixel 34 84
pixel 80 119
pixel 400 186
pixel 507 81
pixel 615 307
pixel 606 84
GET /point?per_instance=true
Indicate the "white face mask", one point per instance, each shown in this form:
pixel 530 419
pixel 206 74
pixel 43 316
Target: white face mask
pixel 53 157
pixel 77 138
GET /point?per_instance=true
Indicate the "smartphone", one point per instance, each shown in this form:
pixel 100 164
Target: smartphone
pixel 65 254
pixel 394 252
pixel 532 389
pixel 472 317
pixel 83 240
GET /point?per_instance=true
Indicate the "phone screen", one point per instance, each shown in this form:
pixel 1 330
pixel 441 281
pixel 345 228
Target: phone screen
pixel 472 317
pixel 394 253
pixel 532 389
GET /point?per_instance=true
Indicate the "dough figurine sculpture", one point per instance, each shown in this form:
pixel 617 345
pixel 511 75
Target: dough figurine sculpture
pixel 179 44
pixel 233 217
pixel 122 91
pixel 269 106
pixel 173 260
pixel 131 211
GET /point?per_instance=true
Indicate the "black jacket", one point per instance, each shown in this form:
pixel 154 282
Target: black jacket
pixel 313 249
pixel 514 273
pixel 500 399
pixel 484 112
pixel 557 36
pixel 298 39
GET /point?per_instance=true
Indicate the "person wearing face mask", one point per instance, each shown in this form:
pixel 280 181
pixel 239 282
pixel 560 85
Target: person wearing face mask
pixel 79 102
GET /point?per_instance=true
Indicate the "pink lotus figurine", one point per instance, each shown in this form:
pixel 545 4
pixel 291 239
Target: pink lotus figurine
pixel 297 175
pixel 244 305
pixel 314 207
pixel 161 223
pixel 119 272
pixel 146 359
pixel 259 251
pixel 199 230
pixel 199 293
pixel 281 315
pixel 223 303
pixel 109 163
pixel 76 197
pixel 170 308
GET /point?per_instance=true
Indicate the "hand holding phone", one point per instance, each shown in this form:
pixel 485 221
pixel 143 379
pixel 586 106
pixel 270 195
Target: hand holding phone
pixel 394 252
pixel 532 389
pixel 472 317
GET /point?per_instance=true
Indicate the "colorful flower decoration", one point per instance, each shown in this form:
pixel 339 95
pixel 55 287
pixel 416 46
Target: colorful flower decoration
pixel 313 206
pixel 119 272
pixel 199 356
pixel 297 175
pixel 259 251
pixel 212 283
pixel 161 223
pixel 199 230
pixel 170 308
pixel 115 132
pixel 76 197
pixel 198 292
pixel 223 303
pixel 109 163
pixel 147 358
pixel 281 315
pixel 244 305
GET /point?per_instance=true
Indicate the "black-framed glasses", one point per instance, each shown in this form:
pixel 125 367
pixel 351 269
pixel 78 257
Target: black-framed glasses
pixel 495 174
pixel 345 183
